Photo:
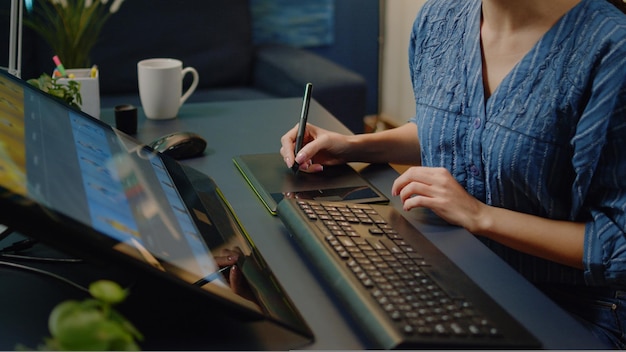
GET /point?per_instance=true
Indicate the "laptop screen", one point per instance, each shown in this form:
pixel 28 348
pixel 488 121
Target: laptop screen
pixel 89 188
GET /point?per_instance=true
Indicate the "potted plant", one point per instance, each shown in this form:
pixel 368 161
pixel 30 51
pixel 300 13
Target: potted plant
pixel 70 27
pixel 92 324
pixel 68 92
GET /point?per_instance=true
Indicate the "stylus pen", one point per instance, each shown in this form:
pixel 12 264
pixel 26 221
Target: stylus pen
pixel 211 277
pixel 304 114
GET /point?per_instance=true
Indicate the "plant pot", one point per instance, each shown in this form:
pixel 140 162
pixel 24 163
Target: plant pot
pixel 89 89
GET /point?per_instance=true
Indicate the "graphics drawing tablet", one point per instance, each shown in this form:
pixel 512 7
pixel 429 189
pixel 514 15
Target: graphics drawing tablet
pixel 272 181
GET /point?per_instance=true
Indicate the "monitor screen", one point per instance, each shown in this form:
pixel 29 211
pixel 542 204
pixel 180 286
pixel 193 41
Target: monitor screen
pixel 96 190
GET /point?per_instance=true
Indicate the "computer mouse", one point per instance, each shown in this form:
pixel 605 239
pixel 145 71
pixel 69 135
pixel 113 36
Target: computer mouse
pixel 180 145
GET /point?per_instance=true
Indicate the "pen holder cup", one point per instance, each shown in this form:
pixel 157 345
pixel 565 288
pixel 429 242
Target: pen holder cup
pixel 89 89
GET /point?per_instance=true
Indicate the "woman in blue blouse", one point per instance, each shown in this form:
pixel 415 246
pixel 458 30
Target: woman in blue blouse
pixel 520 134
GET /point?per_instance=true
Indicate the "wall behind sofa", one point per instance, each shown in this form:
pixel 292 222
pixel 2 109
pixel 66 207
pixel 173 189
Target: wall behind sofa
pixel 354 43
pixel 344 31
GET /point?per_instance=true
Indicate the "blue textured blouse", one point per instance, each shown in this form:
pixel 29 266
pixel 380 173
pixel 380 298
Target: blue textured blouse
pixel 549 141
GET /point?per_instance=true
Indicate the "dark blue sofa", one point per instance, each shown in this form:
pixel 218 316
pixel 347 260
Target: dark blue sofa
pixel 215 37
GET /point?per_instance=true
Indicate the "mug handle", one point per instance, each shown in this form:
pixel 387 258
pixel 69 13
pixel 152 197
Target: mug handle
pixel 194 83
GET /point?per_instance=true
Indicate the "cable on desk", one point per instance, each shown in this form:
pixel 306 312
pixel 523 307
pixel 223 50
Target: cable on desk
pixel 28 243
pixel 45 273
pixel 40 259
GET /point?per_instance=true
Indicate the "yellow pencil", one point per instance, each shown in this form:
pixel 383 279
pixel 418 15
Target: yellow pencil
pixel 94 71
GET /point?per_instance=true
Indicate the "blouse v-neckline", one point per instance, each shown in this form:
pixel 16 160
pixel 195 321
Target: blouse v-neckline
pixel 541 47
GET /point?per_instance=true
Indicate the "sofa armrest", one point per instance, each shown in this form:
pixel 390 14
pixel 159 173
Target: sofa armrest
pixel 283 71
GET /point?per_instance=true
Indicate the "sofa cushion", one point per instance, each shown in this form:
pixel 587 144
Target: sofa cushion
pixel 214 36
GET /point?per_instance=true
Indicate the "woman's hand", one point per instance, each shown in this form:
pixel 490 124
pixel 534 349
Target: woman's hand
pixel 236 279
pixel 320 147
pixel 437 190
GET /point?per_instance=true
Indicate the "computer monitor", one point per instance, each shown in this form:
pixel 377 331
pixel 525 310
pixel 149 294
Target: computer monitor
pixel 79 185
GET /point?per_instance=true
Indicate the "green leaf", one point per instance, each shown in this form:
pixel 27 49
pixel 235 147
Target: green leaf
pixel 70 28
pixel 69 93
pixel 91 324
pixel 107 291
pixel 90 330
pixel 60 313
pixel 126 324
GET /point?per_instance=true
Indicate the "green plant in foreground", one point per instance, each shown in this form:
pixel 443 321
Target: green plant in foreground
pixel 68 92
pixel 92 324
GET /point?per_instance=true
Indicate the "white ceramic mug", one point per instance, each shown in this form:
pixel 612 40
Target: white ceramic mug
pixel 161 86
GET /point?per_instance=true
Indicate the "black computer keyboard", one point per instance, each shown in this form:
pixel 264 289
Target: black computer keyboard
pixel 394 283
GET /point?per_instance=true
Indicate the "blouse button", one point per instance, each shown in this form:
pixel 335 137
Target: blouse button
pixel 474 170
pixel 477 123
